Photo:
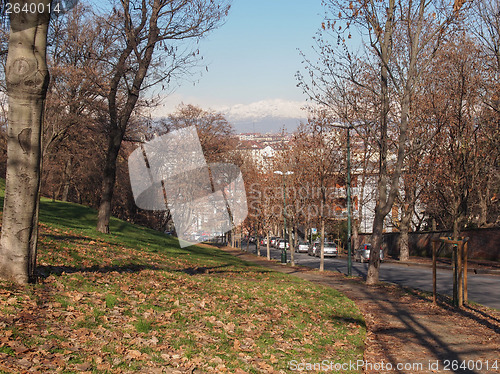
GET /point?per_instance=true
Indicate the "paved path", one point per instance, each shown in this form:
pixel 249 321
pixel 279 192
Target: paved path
pixel 405 332
pixel 482 288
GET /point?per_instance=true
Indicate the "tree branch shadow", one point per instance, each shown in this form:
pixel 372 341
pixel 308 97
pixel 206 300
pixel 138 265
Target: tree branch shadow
pixel 45 271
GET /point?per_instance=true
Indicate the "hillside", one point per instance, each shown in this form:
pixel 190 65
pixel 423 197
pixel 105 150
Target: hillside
pixel 133 301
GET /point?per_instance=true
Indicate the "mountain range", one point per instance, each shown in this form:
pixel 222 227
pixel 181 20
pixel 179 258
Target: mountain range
pixel 265 116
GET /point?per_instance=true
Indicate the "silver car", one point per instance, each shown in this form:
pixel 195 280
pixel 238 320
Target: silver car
pixel 303 247
pixel 313 249
pixel 363 253
pixel 329 250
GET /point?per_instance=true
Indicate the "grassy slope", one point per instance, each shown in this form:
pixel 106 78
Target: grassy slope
pixel 134 300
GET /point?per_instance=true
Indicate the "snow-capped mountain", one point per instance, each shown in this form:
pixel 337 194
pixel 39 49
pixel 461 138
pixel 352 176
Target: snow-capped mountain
pixel 260 116
pixel 266 115
pixel 266 108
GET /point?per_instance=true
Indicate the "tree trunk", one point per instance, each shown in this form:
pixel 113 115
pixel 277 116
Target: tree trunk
pixel 268 246
pixel 372 276
pixel 67 178
pixel 483 209
pixel 292 249
pixel 322 246
pixel 27 79
pixel 355 237
pixel 404 228
pixel 108 181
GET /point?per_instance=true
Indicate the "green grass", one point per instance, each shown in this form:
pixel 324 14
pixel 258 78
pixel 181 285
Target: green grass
pixel 135 300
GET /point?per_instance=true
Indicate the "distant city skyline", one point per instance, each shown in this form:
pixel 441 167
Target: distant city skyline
pixel 252 61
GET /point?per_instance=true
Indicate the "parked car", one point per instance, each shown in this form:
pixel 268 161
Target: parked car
pixel 362 254
pixel 303 247
pixel 329 250
pixel 281 244
pixel 263 241
pixel 313 248
pixel 273 241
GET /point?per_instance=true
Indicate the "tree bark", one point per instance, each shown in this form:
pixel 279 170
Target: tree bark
pixel 372 276
pixel 108 181
pixel 67 178
pixel 355 237
pixel 257 243
pixel 404 228
pixel 27 80
pixel 322 246
pixel 268 248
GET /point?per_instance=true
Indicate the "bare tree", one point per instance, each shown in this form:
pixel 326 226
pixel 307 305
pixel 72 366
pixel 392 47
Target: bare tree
pixel 464 150
pixel 146 52
pixel 400 38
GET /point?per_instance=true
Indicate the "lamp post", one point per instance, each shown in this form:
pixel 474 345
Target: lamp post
pixel 283 252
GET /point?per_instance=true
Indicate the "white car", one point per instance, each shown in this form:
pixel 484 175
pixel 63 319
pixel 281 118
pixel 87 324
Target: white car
pixel 329 249
pixel 303 247
pixel 281 244
pixel 363 253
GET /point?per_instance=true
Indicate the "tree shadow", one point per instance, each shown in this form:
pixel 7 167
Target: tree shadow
pixel 67 238
pixel 469 311
pixel 219 269
pixel 348 320
pixel 414 329
pixel 45 271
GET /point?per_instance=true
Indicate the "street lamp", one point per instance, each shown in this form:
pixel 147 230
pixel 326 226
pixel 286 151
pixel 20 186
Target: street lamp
pixel 283 252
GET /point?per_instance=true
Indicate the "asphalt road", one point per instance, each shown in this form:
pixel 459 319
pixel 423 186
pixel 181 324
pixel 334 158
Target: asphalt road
pixel 482 288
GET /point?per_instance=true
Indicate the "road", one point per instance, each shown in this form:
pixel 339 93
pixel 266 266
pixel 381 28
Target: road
pixel 482 288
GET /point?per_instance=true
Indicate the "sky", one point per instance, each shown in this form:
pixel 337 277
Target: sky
pixel 252 60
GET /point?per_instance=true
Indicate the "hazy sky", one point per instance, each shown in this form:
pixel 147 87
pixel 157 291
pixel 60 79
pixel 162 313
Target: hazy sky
pixel 254 56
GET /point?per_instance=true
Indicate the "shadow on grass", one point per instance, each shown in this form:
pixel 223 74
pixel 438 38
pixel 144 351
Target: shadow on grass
pixel 45 271
pixel 347 320
pixel 66 238
pixel 221 269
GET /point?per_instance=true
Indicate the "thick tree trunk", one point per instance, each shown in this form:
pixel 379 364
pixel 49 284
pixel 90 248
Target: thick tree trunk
pixel 108 181
pixel 67 178
pixel 27 79
pixel 404 248
pixel 372 276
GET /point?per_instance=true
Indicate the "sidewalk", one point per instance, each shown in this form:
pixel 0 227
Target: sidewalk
pixel 406 333
pixel 475 266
